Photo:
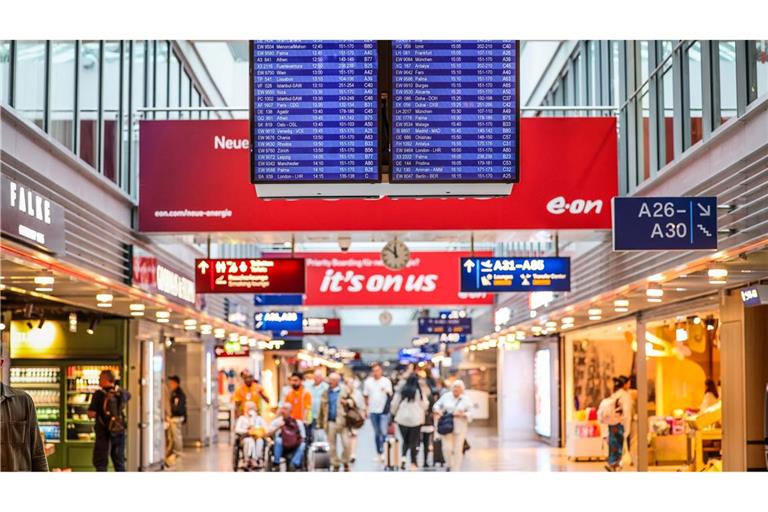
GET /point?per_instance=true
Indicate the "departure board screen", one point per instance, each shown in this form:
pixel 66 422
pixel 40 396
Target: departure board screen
pixel 455 111
pixel 314 111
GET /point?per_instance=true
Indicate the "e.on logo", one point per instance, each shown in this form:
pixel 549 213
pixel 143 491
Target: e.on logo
pixel 559 205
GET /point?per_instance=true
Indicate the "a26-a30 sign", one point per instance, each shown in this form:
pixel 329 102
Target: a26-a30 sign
pixel 249 275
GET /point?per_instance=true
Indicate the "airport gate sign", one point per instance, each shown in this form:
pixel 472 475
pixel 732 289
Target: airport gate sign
pixel 664 223
pixel 498 275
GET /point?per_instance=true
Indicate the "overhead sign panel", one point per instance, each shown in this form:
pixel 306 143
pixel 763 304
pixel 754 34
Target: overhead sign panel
pixel 754 295
pixel 195 179
pixel 314 111
pixel 278 321
pixel 664 223
pixel 452 337
pixel 322 326
pixel 361 279
pixel 278 299
pixel 497 275
pixel 249 275
pixel 445 325
pixel 232 349
pixel 455 111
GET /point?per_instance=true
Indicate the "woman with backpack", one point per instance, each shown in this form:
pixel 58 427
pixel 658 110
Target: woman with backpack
pixel 616 412
pixel 453 412
pixel 409 405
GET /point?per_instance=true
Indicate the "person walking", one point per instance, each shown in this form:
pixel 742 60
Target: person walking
pixel 22 448
pixel 377 391
pixel 316 387
pixel 249 391
pixel 300 399
pixel 178 414
pixel 453 410
pixel 108 409
pixel 409 407
pixel 333 406
pixel 428 426
pixel 616 412
pixel 355 387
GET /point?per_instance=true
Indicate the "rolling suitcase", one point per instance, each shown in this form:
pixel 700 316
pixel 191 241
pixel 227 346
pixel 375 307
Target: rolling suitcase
pixel 392 453
pixel 319 456
pixel 437 452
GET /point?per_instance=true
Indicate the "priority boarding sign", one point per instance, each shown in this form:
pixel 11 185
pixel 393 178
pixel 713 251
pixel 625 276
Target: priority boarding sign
pixel 664 223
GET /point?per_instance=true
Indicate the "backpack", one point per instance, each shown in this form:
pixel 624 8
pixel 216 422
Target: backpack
pixel 114 411
pixel 445 424
pixel 609 412
pixel 291 434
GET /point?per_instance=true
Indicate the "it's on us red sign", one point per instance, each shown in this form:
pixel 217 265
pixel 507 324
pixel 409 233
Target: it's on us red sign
pixel 361 279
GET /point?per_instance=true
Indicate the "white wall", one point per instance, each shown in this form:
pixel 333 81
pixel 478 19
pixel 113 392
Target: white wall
pixel 515 385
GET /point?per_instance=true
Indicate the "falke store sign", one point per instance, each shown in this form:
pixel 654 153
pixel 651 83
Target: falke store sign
pixel 249 275
pixel 189 182
pixel 360 279
pixel 31 217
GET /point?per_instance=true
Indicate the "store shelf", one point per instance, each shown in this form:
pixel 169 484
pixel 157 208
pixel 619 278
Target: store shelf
pixel 81 422
pixel 35 385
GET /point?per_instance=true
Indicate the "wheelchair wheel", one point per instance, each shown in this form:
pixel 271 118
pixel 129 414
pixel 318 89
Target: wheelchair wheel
pixel 237 453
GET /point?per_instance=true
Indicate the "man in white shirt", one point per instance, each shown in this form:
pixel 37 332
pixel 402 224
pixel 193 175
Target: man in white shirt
pixel 377 391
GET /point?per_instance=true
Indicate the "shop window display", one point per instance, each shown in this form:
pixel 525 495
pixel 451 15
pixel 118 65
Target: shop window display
pixel 684 398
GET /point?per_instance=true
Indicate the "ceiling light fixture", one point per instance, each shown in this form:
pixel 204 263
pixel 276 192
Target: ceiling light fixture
pixel 567 320
pixel 219 333
pixel 104 297
pixel 73 322
pixel 717 275
pixel 92 324
pixel 44 283
pixel 654 293
pixel 163 314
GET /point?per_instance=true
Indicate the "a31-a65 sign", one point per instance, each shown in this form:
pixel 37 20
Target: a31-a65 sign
pixel 249 275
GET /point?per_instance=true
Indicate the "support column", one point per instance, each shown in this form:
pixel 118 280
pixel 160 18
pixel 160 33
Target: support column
pixel 642 395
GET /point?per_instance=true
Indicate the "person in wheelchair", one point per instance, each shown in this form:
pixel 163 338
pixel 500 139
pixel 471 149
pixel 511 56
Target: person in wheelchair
pixel 251 429
pixel 289 439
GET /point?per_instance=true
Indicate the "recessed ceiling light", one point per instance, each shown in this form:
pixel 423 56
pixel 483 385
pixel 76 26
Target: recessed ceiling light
pixel 163 314
pixel 104 297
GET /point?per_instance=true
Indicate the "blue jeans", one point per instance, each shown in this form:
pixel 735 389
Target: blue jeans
pixel 296 458
pixel 380 421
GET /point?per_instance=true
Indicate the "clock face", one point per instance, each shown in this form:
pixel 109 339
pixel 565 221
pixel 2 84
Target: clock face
pixel 395 255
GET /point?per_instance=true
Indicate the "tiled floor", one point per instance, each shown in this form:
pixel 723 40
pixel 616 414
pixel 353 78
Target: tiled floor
pixel 488 453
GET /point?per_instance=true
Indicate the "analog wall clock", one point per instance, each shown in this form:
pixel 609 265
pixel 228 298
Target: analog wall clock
pixel 395 255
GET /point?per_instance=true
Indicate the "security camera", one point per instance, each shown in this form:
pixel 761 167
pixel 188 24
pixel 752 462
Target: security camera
pixel 345 243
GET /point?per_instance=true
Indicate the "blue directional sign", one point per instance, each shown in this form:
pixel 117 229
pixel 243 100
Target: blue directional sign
pixel 756 295
pixel 445 325
pixel 664 223
pixel 497 275
pixel 279 321
pixel 278 299
pixel 412 355
pixel 452 337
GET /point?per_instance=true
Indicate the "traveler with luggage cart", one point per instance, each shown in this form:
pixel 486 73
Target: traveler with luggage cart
pixel 335 406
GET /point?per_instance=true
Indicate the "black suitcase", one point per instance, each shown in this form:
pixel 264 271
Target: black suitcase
pixel 437 452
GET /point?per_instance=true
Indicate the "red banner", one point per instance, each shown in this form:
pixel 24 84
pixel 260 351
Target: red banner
pixel 244 275
pixel 361 279
pixel 195 178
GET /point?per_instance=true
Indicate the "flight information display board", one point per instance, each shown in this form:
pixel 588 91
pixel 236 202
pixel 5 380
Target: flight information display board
pixel 314 113
pixel 455 111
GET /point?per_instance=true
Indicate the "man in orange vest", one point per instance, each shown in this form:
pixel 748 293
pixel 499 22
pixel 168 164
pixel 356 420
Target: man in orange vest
pixel 300 399
pixel 250 391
